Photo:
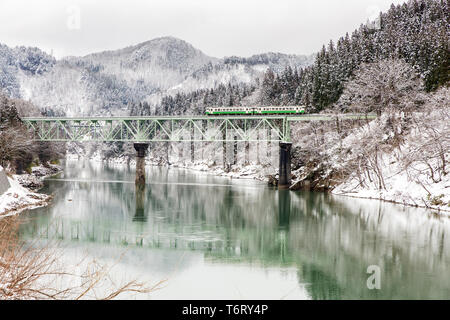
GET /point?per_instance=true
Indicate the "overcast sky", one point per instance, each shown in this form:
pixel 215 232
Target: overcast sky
pixel 217 27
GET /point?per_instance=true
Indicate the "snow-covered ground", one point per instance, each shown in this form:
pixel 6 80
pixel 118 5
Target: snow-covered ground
pixel 400 188
pixel 413 173
pixel 18 198
pixel 251 171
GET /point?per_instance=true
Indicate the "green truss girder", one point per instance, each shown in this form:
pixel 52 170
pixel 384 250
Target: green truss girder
pixel 173 129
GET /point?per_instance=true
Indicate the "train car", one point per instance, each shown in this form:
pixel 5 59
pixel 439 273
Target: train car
pixel 217 111
pixel 280 110
pixel 229 111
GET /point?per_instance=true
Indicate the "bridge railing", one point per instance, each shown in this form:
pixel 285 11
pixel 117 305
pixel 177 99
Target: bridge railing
pixel 171 129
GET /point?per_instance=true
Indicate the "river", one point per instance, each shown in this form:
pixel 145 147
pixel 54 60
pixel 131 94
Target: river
pixel 218 238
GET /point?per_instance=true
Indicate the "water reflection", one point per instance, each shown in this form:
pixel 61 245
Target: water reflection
pixel 320 244
pixel 284 209
pixel 140 214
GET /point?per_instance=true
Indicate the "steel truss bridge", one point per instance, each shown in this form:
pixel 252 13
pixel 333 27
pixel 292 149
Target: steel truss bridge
pixel 173 128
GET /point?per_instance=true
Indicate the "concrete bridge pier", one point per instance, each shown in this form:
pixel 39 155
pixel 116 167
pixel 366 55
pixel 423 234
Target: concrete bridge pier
pixel 140 148
pixel 284 179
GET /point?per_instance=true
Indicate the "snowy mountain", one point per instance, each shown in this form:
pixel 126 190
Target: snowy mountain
pixel 21 60
pixel 160 63
pixel 234 70
pixel 109 82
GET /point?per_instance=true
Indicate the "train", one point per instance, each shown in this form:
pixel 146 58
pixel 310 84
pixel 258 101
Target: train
pixel 218 111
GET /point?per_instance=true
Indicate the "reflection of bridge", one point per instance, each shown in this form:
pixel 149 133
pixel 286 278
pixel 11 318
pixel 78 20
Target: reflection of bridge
pixel 143 130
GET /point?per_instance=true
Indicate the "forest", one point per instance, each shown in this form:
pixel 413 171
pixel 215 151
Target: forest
pixel 18 152
pixel 416 32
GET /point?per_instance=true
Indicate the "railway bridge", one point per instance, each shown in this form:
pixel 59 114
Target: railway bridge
pixel 143 130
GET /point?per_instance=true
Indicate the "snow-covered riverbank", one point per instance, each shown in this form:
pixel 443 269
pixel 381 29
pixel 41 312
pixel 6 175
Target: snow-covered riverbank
pixel 400 188
pixel 22 193
pixel 251 171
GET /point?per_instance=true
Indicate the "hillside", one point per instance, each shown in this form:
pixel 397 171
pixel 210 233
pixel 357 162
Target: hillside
pixel 109 82
pixel 416 31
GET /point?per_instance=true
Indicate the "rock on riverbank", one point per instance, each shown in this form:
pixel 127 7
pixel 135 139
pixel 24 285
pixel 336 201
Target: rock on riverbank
pixel 21 193
pixel 35 180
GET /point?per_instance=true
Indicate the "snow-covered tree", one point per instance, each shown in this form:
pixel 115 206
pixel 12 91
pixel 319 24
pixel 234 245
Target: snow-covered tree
pixel 387 84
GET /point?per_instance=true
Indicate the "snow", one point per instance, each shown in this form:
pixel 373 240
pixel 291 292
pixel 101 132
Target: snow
pixel 238 171
pixel 235 75
pixel 251 171
pixel 18 198
pixel 400 189
pixel 108 82
pixel 406 169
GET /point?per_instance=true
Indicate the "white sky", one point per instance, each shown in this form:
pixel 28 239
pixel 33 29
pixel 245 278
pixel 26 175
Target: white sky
pixel 217 27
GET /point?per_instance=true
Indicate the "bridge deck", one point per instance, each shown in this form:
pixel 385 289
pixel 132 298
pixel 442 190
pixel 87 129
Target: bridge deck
pixel 271 128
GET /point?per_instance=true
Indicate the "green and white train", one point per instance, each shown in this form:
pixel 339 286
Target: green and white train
pixel 218 111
